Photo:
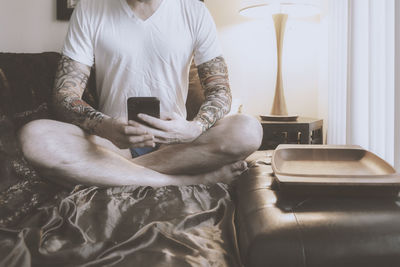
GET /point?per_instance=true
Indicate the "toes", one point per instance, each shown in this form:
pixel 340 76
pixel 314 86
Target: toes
pixel 238 169
pixel 240 166
pixel 228 173
pixel 244 166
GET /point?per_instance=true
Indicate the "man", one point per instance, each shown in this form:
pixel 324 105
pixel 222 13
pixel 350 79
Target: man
pixel 141 48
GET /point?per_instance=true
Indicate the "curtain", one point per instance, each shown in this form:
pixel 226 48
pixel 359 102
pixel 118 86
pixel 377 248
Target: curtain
pixel 364 76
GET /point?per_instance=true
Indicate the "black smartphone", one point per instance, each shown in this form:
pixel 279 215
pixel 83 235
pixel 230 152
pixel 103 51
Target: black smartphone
pixel 145 105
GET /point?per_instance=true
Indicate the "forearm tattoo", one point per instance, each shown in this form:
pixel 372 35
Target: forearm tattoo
pixel 214 80
pixel 70 83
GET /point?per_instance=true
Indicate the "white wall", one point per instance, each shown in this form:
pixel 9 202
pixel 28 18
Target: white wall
pixel 249 48
pixel 30 26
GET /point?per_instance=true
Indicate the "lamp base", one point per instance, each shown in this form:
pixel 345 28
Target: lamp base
pixel 279 117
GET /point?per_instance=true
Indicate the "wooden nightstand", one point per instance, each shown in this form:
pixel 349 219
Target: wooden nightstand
pixel 302 131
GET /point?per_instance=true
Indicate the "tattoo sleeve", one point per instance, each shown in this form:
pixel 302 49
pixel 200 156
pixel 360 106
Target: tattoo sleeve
pixel 70 83
pixel 218 98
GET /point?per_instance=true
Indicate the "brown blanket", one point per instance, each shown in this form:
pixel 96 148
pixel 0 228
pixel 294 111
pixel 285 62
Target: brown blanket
pixel 128 226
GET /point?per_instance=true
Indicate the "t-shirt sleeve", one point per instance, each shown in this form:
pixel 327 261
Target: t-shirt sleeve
pixel 207 45
pixel 78 43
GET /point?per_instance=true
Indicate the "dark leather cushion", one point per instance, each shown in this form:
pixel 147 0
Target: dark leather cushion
pixel 8 145
pixel 8 152
pixel 6 106
pixel 30 78
pixel 280 229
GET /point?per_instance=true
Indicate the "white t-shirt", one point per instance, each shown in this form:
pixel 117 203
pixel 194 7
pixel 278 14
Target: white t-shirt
pixel 133 57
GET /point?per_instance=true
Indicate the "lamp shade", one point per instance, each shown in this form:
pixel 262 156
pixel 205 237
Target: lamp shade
pixel 294 8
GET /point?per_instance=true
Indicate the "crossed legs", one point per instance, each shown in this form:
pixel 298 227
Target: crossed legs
pixel 65 153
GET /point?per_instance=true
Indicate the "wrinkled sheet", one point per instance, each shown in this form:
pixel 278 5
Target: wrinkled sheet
pixel 128 226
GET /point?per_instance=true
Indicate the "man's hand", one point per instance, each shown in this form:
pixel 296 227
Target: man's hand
pixel 171 130
pixel 124 135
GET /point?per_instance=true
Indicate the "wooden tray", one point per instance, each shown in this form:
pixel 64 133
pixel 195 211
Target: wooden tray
pixel 331 167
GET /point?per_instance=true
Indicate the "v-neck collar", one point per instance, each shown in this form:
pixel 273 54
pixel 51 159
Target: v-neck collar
pixel 131 14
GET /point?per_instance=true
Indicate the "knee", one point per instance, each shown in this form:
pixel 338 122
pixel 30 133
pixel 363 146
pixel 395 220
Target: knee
pixel 34 138
pixel 243 136
pixel 31 132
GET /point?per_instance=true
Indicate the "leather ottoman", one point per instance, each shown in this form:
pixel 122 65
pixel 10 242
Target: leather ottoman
pixel 277 229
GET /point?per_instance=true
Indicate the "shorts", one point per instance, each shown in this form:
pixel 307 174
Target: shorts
pixel 140 151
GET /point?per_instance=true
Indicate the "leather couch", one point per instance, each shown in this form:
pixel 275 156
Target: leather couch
pixel 277 229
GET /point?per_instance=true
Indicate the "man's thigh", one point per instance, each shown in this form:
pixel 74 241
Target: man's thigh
pixel 71 132
pixel 236 135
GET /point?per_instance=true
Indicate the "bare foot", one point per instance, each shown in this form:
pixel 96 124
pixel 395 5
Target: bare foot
pixel 226 174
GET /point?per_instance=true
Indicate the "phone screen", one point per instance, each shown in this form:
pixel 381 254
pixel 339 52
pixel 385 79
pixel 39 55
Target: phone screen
pixel 145 105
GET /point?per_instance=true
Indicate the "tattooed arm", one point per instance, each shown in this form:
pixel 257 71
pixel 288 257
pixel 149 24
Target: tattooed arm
pixel 214 80
pixel 70 83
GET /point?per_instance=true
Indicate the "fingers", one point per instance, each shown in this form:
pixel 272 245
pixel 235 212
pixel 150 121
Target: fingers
pixel 154 122
pixel 163 137
pixel 144 144
pixel 168 141
pixel 160 129
pixel 132 130
pixel 136 135
pixel 135 124
pixel 133 134
pixel 140 141
pixel 148 130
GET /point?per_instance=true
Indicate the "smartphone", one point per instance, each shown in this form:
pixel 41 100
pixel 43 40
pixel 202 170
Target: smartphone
pixel 145 105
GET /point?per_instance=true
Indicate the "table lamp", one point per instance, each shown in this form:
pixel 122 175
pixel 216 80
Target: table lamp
pixel 279 10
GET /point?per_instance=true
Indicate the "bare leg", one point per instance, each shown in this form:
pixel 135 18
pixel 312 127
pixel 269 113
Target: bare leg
pixel 64 151
pixel 231 139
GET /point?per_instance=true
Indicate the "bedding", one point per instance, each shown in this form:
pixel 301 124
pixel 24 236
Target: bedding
pixel 127 226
